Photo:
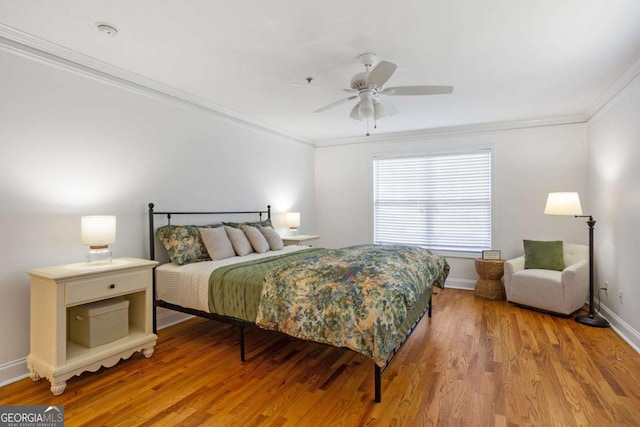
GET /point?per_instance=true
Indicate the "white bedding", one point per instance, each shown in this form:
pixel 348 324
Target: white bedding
pixel 188 285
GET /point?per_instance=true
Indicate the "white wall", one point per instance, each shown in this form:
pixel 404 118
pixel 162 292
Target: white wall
pixel 528 164
pixel 73 145
pixel 614 179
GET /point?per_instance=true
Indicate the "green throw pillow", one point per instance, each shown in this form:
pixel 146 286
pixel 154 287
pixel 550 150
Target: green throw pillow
pixel 543 255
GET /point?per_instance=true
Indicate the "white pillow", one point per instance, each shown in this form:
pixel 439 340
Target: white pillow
pixel 257 240
pixel 273 238
pixel 217 243
pixel 239 241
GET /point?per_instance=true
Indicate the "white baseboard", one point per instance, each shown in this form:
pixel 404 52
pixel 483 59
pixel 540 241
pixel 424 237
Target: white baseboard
pixel 168 318
pixel 622 328
pixel 13 371
pixel 466 284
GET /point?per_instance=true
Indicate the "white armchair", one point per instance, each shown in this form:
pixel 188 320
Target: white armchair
pixel 561 292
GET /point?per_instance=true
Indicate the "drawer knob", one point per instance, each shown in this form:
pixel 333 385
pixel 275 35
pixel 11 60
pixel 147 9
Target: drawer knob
pixel 112 286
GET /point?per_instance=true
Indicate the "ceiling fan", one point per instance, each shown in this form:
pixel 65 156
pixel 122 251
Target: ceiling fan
pixel 369 86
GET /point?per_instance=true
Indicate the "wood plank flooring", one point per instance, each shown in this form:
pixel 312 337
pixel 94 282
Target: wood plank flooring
pixel 474 363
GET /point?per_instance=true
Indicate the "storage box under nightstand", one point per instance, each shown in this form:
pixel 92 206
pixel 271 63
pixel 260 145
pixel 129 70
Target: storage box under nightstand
pixel 100 322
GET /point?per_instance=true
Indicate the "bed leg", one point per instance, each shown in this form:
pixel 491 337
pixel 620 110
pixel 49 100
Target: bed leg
pixel 378 383
pixel 430 304
pixel 241 344
pixel 155 318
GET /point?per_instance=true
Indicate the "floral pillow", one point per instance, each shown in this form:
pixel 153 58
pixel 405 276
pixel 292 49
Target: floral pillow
pixel 183 244
pixel 257 224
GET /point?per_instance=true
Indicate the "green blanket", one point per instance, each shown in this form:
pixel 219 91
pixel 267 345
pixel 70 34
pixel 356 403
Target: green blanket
pixel 234 290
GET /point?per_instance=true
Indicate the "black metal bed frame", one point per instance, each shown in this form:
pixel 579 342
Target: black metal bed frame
pixel 242 324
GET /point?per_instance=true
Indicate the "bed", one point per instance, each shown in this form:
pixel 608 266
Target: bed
pixel 366 298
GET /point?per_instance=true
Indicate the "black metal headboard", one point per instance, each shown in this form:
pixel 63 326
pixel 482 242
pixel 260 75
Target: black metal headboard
pixel 152 214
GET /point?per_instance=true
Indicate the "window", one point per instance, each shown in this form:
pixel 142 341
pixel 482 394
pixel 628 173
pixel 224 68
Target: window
pixel 441 202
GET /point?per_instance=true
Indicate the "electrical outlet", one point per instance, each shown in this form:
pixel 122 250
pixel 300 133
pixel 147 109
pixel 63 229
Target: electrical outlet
pixel 606 287
pixel 620 295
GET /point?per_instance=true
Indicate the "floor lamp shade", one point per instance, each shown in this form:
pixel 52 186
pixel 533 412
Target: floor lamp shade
pixel 569 204
pixel 563 204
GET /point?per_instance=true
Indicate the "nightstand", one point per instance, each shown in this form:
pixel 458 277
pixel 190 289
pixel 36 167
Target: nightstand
pixel 54 290
pixel 303 240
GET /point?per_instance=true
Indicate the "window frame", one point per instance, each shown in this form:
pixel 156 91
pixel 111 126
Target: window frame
pixel 437 153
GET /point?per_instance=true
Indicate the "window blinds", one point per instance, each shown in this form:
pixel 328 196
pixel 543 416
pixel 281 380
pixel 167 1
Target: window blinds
pixel 442 202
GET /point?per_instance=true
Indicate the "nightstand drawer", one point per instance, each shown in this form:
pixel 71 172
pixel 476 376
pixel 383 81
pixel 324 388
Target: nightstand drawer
pixel 302 240
pixel 105 287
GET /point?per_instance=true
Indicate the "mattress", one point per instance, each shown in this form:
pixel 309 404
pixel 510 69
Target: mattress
pixel 188 285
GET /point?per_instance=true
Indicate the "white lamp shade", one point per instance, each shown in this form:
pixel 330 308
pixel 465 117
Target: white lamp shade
pixel 563 204
pixel 292 219
pixel 98 230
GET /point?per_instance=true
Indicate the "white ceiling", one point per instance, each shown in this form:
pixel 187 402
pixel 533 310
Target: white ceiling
pixel 509 60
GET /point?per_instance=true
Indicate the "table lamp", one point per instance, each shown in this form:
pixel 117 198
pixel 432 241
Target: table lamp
pixel 98 232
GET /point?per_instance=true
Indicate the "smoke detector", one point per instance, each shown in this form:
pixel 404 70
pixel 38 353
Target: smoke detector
pixel 107 29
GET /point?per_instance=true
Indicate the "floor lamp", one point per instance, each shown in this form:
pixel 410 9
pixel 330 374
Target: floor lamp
pixel 569 204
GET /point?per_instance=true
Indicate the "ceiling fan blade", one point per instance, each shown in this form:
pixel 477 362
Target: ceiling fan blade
pixel 418 90
pixel 335 104
pixel 355 112
pixel 381 73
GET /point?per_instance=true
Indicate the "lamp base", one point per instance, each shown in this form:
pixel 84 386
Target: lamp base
pixel 592 320
pixel 99 256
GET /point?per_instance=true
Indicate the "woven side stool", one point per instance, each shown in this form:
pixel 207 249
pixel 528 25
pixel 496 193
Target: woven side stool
pixel 490 285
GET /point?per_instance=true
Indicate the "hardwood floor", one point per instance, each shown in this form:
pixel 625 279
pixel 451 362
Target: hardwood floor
pixel 474 363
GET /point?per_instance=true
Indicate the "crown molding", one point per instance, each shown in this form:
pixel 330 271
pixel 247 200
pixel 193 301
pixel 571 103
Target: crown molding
pixel 600 106
pixel 614 92
pixel 42 50
pixel 453 131
pixel 27 45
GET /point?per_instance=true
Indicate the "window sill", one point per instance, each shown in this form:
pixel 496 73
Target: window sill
pixel 462 255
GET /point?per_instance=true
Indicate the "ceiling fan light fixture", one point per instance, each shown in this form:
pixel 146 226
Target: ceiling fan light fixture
pixel 366 107
pixel 379 110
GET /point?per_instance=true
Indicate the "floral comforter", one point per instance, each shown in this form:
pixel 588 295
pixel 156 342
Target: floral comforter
pixel 355 297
